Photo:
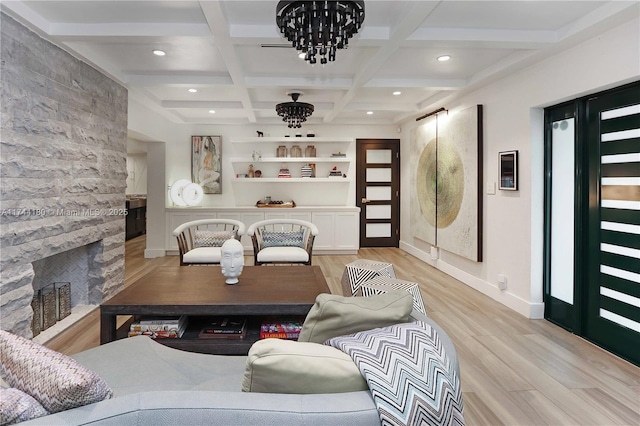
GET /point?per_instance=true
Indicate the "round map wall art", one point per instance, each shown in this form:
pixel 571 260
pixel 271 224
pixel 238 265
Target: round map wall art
pixel 440 184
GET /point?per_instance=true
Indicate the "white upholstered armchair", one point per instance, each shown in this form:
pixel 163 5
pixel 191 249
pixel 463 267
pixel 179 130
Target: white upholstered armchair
pixel 282 241
pixel 199 241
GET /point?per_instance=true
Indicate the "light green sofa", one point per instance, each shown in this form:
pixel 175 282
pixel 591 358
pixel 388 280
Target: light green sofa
pixel 157 385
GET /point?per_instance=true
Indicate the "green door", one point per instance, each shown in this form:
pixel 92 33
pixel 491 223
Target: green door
pixel 611 317
pixel 562 224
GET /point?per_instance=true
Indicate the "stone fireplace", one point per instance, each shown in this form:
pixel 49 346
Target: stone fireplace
pixel 63 173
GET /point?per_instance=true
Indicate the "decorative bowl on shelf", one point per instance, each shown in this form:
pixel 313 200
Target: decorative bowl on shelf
pixel 275 204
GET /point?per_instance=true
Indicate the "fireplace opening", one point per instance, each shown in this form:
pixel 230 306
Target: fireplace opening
pixel 65 280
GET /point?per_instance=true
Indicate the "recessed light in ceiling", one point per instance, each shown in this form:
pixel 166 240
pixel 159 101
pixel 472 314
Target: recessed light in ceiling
pixel 369 112
pixel 211 111
pixel 159 52
pixel 193 90
pixel 397 92
pixel 444 58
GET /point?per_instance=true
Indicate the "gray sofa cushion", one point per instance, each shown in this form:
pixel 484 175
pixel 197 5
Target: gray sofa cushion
pixel 222 409
pixel 138 364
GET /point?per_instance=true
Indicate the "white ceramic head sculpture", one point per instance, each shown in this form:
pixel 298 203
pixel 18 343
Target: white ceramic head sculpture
pixel 232 260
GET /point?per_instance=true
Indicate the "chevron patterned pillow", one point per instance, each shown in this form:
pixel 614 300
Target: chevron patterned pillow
pixel 282 239
pixel 205 238
pixel 56 381
pixel 411 378
pixel 17 406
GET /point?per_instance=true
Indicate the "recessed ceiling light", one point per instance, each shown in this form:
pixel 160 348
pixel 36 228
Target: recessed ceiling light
pixel 369 112
pixel 444 58
pixel 159 52
pixel 211 111
pixel 193 90
pixel 397 92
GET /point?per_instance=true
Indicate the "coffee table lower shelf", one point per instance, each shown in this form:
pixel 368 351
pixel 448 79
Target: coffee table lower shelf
pixel 215 346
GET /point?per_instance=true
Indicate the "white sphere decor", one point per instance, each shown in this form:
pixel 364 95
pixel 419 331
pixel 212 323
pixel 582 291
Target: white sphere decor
pixel 176 192
pixel 192 194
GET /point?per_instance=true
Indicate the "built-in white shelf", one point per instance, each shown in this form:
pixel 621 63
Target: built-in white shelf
pixel 281 139
pixel 291 160
pixel 291 180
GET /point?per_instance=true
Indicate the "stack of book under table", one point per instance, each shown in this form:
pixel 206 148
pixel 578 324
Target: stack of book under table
pixel 159 327
pixel 281 328
pixel 224 328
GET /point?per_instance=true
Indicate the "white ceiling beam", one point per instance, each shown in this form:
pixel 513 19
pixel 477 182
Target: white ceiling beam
pixel 213 121
pixel 298 81
pixel 178 79
pixel 271 33
pixel 24 14
pixel 255 31
pixel 128 29
pixel 487 35
pixel 606 12
pixel 415 16
pixel 271 106
pixel 202 104
pixel 146 98
pixel 432 84
pixel 377 106
pixel 220 28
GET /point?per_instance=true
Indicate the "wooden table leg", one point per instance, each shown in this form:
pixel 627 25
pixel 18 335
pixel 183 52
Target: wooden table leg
pixel 107 327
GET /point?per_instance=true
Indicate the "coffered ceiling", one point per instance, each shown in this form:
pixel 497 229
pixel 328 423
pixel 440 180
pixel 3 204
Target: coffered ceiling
pixel 231 52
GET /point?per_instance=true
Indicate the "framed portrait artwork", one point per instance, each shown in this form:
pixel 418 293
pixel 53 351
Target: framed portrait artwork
pixel 508 170
pixel 206 166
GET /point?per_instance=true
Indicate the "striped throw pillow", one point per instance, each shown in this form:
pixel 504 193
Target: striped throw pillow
pixel 206 238
pixel 282 239
pixel 56 381
pixel 17 406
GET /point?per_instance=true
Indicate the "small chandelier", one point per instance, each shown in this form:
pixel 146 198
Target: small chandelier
pixel 319 27
pixel 294 113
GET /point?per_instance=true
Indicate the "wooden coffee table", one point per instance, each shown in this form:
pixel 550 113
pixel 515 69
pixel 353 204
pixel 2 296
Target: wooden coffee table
pixel 200 291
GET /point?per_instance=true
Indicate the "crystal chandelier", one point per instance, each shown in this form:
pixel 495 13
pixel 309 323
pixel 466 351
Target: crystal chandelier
pixel 319 27
pixel 294 113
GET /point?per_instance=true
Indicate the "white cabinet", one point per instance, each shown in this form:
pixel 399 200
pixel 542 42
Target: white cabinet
pixel 248 218
pixel 324 222
pixel 346 228
pixel 339 231
pixel 338 226
pixel 287 214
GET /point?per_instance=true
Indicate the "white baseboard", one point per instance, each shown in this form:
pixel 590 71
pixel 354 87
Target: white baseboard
pixel 151 253
pixel 527 309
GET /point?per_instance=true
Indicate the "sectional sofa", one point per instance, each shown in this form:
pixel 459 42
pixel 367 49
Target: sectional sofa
pixel 156 385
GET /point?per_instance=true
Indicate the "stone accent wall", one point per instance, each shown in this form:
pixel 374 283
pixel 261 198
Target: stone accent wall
pixel 63 168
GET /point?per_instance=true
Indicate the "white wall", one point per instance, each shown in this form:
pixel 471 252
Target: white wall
pixel 245 194
pixel 137 173
pixel 512 241
pixel 171 142
pixel 513 119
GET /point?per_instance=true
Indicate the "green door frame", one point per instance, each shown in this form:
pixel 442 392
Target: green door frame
pixel 582 317
pixel 557 311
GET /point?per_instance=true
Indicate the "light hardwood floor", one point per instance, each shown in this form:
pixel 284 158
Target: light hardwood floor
pixel 514 371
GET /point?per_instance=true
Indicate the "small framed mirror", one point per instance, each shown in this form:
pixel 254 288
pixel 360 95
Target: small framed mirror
pixel 508 170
